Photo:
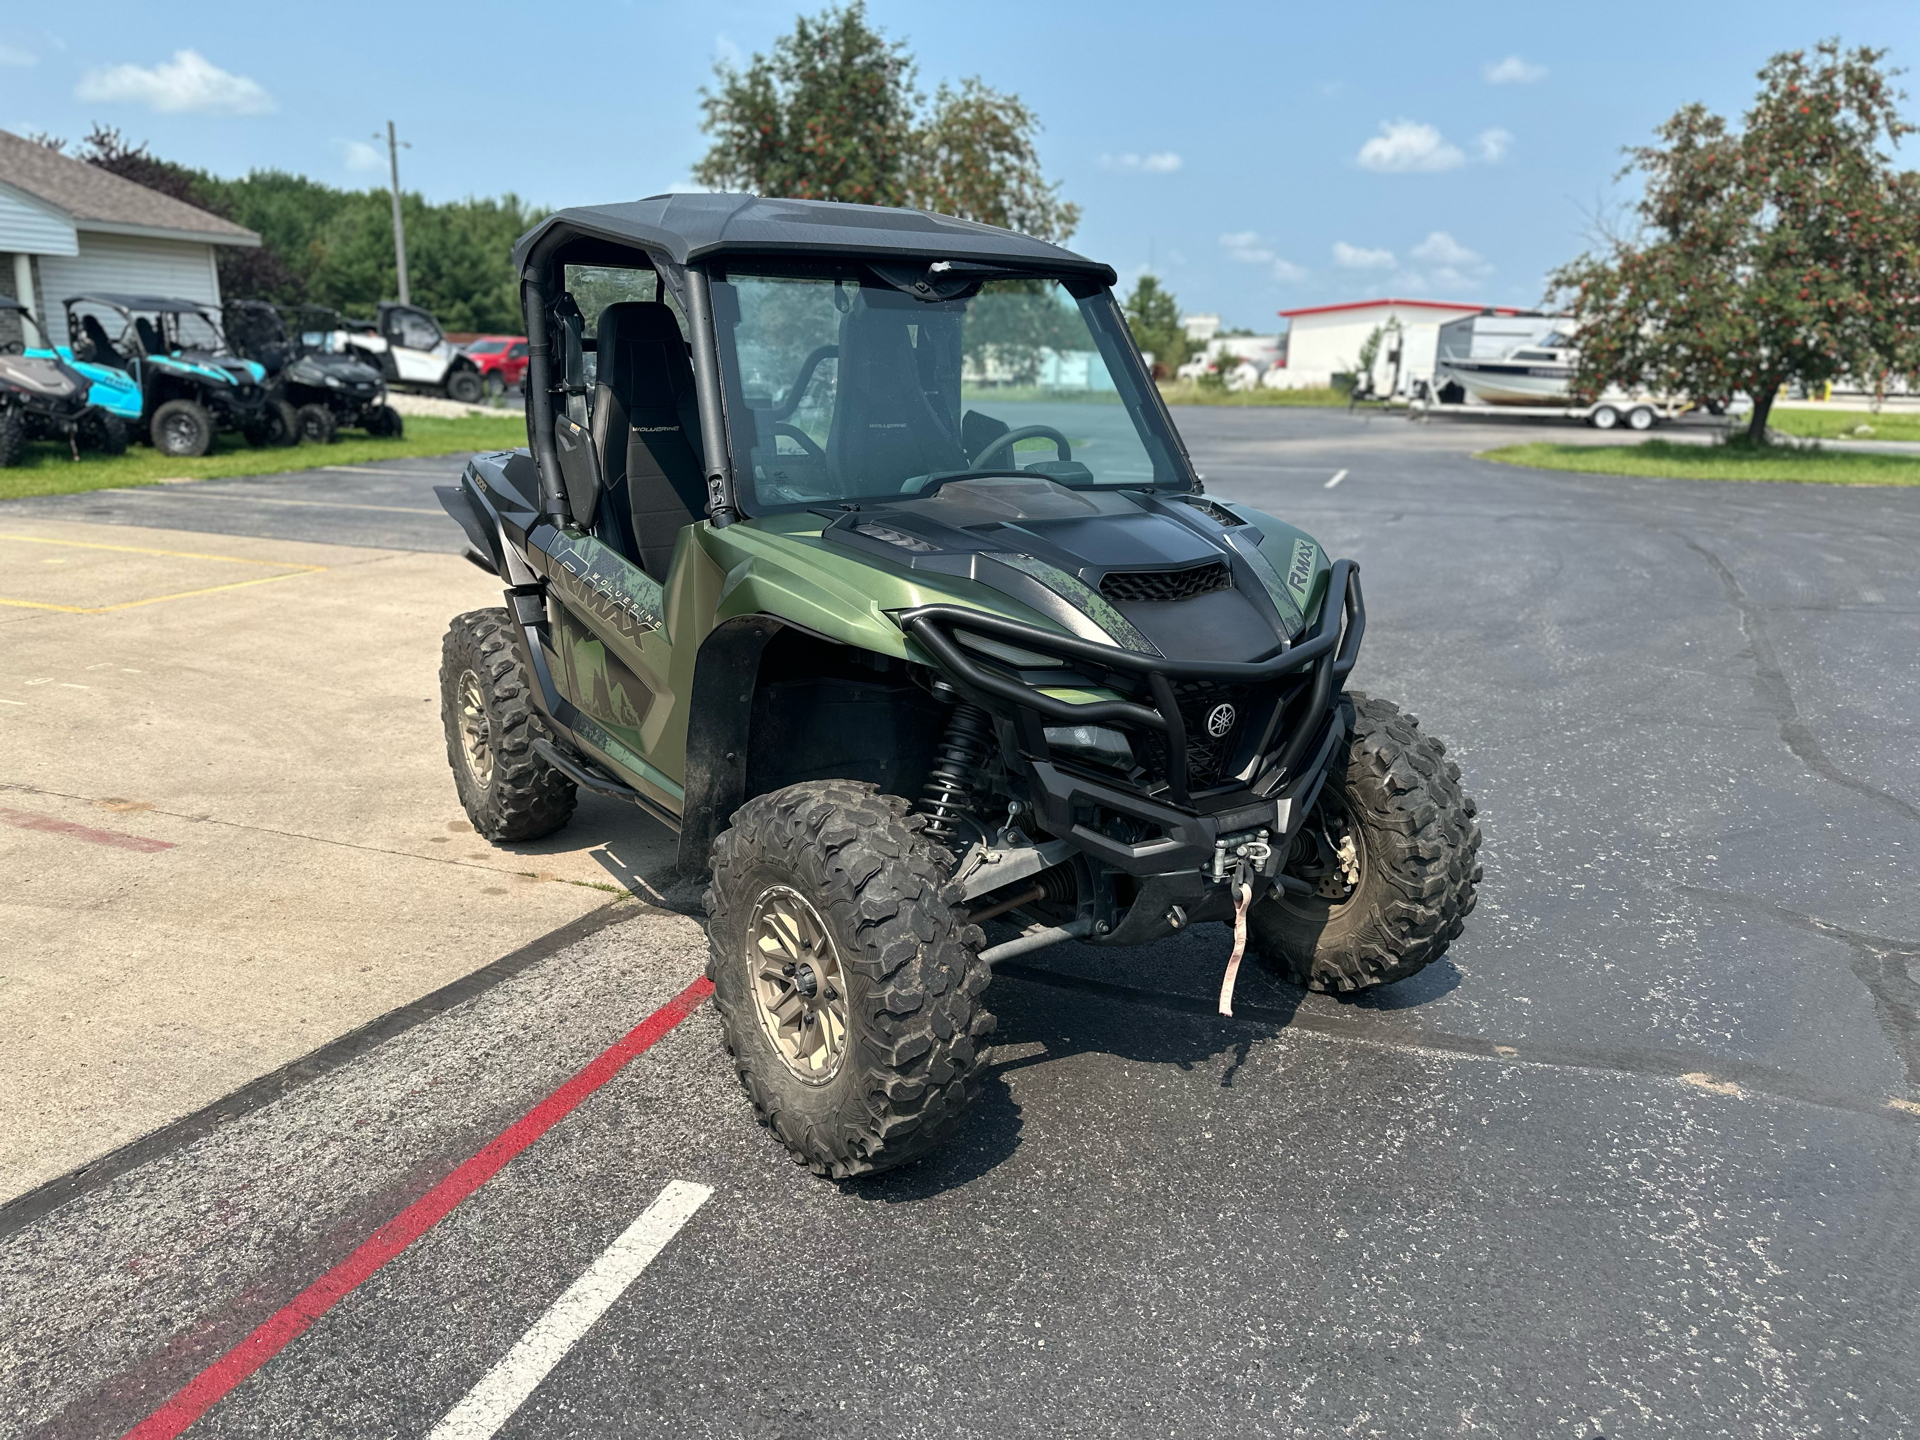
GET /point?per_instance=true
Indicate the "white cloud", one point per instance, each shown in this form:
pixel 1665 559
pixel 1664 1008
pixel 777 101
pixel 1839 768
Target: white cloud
pixel 727 52
pixel 14 55
pixel 362 156
pixel 1493 145
pixel 1514 71
pixel 1407 145
pixel 1440 248
pixel 1246 247
pixel 1355 257
pixel 188 83
pixel 1163 162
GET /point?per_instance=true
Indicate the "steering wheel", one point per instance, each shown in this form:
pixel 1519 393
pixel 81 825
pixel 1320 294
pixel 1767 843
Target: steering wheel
pixel 1025 432
pixel 799 437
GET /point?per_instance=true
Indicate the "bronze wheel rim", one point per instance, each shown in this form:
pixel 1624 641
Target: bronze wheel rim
pixel 1336 861
pixel 476 730
pixel 799 985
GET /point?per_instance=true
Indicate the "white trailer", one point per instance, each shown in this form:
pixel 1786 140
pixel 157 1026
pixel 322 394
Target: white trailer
pixel 1606 413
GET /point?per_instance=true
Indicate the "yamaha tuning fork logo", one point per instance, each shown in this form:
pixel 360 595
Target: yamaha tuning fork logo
pixel 1220 720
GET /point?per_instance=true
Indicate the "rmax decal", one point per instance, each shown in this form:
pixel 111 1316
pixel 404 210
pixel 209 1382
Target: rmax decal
pixel 604 585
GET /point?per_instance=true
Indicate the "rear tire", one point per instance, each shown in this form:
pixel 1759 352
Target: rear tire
pixel 486 707
pixel 1400 894
pixel 102 433
pixel 464 385
pixel 834 884
pixel 182 429
pixel 383 422
pixel 313 425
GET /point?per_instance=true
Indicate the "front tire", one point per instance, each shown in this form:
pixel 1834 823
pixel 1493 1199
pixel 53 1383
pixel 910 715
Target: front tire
pixel 182 429
pixel 845 977
pixel 486 707
pixel 13 438
pixel 313 425
pixel 464 386
pixel 1392 851
pixel 1605 418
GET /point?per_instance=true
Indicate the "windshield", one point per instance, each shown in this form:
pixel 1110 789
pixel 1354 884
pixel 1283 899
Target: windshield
pixel 842 387
pixel 486 347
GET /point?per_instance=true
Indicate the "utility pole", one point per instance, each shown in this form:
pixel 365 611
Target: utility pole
pixel 399 226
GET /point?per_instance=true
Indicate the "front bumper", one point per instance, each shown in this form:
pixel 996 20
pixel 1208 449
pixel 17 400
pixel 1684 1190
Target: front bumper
pixel 1162 821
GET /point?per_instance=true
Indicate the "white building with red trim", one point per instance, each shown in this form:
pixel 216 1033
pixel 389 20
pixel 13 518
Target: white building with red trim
pixel 1326 340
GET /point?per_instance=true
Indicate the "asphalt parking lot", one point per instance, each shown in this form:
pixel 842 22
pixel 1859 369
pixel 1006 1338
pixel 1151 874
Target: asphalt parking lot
pixel 1640 1157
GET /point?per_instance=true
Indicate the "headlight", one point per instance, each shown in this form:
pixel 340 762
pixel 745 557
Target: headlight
pixel 1092 742
pixel 334 381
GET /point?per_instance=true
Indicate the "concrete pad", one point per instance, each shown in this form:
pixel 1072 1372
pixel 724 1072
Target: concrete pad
pixel 228 824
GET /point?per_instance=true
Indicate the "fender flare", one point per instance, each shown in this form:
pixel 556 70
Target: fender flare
pixel 725 672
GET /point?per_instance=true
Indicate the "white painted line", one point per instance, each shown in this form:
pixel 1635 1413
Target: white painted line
pixel 505 1388
pixel 454 473
pixel 12 702
pixel 1338 476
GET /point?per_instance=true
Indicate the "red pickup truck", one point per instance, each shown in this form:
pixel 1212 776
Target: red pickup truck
pixel 502 360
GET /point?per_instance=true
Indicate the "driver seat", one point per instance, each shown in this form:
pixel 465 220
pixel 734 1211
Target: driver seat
pixel 103 351
pixel 646 430
pixel 150 339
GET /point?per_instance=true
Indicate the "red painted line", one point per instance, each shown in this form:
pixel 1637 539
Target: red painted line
pixel 28 820
pixel 211 1385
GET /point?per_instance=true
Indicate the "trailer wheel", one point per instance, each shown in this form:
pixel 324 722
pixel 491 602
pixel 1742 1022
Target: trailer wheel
pixel 1640 418
pixel 1605 418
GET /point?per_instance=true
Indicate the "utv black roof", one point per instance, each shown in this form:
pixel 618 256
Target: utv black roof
pixel 684 228
pixel 156 303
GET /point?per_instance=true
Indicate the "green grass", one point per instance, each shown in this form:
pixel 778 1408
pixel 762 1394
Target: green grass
pixel 1842 424
pixel 1191 392
pixel 1662 459
pixel 50 470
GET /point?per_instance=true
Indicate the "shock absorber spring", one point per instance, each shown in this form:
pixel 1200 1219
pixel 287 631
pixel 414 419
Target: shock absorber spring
pixel 947 797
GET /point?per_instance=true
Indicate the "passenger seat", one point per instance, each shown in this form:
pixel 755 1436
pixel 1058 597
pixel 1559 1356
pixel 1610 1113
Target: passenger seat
pixel 646 428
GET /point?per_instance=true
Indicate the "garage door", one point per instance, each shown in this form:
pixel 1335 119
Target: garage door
pixel 177 269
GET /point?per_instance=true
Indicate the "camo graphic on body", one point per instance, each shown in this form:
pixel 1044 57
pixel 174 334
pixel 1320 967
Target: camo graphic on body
pixel 1277 589
pixel 608 586
pixel 1086 600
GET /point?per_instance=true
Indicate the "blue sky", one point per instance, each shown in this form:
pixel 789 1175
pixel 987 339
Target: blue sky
pixel 1260 156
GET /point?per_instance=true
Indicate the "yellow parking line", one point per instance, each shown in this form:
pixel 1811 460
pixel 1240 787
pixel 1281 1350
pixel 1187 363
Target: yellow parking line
pixel 176 554
pixel 290 567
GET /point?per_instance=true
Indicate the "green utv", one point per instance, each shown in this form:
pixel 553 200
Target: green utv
pixel 857 546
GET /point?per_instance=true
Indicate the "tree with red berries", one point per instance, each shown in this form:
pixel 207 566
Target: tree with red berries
pixel 1788 250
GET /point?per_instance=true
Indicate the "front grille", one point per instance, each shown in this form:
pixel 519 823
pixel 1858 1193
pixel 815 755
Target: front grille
pixel 1123 585
pixel 1208 755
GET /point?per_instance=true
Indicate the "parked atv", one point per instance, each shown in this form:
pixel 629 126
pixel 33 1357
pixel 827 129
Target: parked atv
pixel 408 347
pixel 900 659
pixel 43 396
pixel 317 390
pixel 191 385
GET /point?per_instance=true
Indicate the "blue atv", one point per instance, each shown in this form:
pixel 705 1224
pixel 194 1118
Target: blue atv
pixel 191 385
pixel 44 396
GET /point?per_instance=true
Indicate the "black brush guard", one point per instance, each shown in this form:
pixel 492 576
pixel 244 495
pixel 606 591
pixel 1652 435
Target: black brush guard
pixel 1323 657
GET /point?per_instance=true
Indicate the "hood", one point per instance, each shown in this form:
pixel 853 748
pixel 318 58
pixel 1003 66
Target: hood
pixel 335 372
pixel 45 383
pixel 1169 574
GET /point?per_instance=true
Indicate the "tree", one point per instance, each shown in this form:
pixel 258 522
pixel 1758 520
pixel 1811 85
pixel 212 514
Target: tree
pixel 834 114
pixel 1788 250
pixel 1153 315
